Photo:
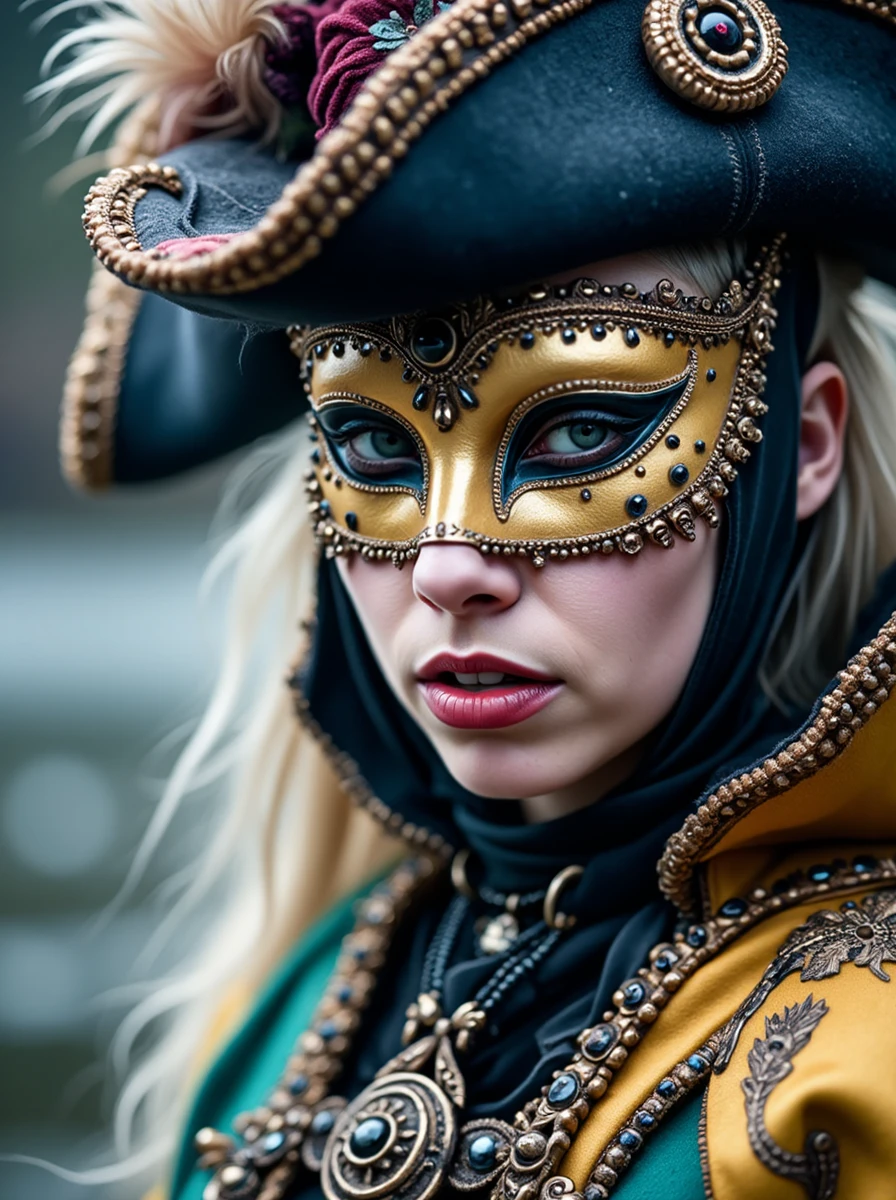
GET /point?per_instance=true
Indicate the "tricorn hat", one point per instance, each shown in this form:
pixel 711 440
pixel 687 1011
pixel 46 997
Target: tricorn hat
pixel 374 157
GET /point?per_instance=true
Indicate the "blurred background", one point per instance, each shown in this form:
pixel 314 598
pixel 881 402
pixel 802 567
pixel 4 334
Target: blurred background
pixel 103 652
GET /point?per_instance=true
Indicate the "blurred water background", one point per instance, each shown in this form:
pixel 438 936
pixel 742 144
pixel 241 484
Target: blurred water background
pixel 103 652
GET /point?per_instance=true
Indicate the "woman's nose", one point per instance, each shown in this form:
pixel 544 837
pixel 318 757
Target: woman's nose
pixel 464 582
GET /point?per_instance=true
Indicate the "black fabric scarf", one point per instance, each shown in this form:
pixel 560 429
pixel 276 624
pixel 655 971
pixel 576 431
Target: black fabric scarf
pixel 721 723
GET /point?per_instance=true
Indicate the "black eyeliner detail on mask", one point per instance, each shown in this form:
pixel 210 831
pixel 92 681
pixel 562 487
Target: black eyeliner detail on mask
pixel 632 415
pixel 340 423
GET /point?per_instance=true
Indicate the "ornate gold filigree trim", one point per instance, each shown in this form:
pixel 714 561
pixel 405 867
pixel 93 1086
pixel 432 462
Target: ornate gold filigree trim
pixel 418 81
pixel 863 687
pixel 93 377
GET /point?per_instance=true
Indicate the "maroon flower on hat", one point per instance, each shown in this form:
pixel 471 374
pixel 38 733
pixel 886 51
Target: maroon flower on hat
pixel 351 43
pixel 290 65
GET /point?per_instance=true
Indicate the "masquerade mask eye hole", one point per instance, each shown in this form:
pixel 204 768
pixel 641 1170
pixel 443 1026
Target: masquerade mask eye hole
pixel 572 435
pixel 371 447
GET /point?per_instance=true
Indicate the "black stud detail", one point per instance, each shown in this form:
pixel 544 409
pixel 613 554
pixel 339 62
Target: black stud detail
pixel 600 1041
pixel 527 340
pixel 679 474
pixel 467 397
pixel 320 349
pixel 433 341
pixel 696 936
pixel 569 336
pixel 408 375
pixel 385 354
pixel 669 337
pixel 673 441
pixel 632 337
pixel 721 32
pixel 598 332
pixel 351 520
pixel 421 397
pixel 711 374
pixel 700 446
pixel 365 348
pixel 585 494
pixel 338 349
pixel 734 908
pixel 636 506
pixel 315 455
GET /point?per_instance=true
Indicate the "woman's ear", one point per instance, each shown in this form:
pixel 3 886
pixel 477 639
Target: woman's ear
pixel 825 405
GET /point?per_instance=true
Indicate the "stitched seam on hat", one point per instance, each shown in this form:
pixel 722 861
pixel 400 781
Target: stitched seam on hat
pixel 738 174
pixel 763 171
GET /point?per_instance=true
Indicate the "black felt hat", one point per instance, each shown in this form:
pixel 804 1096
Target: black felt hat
pixel 502 140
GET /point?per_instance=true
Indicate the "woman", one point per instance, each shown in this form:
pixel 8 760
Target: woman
pixel 589 553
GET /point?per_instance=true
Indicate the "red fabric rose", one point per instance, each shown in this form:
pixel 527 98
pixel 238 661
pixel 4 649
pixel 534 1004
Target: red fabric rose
pixel 351 43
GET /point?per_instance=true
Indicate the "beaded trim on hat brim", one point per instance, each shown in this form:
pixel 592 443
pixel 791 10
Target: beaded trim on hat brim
pixel 424 77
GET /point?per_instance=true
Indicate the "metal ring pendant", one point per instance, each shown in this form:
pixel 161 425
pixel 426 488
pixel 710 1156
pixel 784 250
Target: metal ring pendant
pixel 396 1139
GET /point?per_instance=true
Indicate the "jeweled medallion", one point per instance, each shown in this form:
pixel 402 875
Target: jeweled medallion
pixel 396 1139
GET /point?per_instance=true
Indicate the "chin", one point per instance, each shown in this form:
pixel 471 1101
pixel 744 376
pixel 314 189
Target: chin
pixel 513 772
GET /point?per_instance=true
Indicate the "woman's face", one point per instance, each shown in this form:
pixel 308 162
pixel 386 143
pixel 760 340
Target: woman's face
pixel 531 684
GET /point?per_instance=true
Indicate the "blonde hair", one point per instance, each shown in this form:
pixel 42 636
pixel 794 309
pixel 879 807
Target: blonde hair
pixel 288 842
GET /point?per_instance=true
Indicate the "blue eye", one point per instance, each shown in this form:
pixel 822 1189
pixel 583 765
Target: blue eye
pixel 371 447
pixel 569 436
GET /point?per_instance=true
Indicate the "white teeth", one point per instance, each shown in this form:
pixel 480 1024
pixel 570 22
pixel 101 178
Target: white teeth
pixel 483 678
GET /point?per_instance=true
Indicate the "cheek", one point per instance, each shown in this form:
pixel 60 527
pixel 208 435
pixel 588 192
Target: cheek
pixel 383 598
pixel 635 623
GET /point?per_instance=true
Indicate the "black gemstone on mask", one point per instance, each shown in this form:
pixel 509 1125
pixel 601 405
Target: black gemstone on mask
pixel 734 908
pixel 385 354
pixel 585 494
pixel 696 936
pixel 483 1153
pixel 527 340
pixel 669 337
pixel 673 441
pixel 598 332
pixel 339 349
pixel 467 396
pixel 563 1089
pixel 679 474
pixel 700 446
pixel 421 397
pixel 721 32
pixel 320 349
pixel 667 1088
pixel 711 374
pixel 569 336
pixel 351 520
pixel 369 1138
pixel 636 506
pixel 632 337
pixel 324 508
pixel 364 349
pixel 433 341
pixel 408 375
pixel 315 455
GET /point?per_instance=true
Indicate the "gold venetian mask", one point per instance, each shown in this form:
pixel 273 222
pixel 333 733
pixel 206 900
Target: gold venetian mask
pixel 571 420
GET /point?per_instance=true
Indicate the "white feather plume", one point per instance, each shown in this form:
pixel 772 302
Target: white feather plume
pixel 202 59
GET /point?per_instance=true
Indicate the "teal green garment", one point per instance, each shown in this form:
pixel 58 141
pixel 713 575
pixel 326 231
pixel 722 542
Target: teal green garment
pixel 250 1065
pixel 245 1073
pixel 669 1164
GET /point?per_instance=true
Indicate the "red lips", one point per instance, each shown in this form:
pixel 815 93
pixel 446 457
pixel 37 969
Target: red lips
pixel 493 704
